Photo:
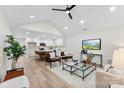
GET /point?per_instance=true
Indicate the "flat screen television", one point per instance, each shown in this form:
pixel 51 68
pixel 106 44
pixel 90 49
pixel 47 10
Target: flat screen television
pixel 91 44
pixel 42 44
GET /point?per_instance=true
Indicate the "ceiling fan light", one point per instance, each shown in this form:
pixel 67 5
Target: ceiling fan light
pixel 67 12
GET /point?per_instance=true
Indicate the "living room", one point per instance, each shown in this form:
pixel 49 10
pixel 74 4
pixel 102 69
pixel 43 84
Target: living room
pixel 58 40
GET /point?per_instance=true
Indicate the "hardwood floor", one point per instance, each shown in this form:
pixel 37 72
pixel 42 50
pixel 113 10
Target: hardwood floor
pixel 40 76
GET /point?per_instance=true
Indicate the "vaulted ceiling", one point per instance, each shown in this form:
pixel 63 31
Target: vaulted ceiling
pixel 94 16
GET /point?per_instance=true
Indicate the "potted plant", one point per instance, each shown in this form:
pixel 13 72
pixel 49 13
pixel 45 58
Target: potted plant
pixel 89 58
pixel 14 50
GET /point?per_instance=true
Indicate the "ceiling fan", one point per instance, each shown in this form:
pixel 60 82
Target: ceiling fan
pixel 67 10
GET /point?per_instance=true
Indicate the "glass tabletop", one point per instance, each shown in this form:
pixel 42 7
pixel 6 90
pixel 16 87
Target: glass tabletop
pixel 82 66
pixel 70 63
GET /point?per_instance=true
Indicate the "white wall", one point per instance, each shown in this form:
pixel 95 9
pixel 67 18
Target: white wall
pixel 111 38
pixel 39 37
pixel 4 30
pixel 22 41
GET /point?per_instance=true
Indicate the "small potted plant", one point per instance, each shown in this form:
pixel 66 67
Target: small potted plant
pixel 89 58
pixel 14 50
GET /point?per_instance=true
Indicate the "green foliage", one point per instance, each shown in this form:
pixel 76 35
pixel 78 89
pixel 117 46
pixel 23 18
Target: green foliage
pixel 14 50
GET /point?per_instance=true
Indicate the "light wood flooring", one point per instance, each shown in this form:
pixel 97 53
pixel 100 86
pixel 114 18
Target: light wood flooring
pixel 40 76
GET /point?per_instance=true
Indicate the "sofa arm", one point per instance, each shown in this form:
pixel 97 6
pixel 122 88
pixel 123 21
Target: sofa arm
pixel 105 79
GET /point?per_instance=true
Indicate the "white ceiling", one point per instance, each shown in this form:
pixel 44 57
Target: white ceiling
pixel 44 27
pixel 95 17
pixel 34 34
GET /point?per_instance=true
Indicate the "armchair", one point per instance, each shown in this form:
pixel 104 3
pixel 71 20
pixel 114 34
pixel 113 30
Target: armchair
pixel 52 60
pixel 66 57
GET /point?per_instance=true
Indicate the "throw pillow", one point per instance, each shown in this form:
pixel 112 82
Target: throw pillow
pixel 66 53
pixel 116 71
pixel 107 67
pixel 52 55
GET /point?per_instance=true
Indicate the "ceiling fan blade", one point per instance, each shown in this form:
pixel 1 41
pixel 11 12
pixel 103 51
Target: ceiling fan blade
pixel 70 15
pixel 71 7
pixel 59 9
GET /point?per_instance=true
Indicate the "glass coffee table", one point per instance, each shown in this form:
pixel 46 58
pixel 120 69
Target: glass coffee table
pixel 79 68
pixel 83 70
pixel 68 66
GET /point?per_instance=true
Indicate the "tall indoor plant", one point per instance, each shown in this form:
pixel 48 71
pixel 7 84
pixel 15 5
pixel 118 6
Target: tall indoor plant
pixel 14 50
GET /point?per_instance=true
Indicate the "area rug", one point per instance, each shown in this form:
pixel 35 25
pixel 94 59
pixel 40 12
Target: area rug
pixel 74 80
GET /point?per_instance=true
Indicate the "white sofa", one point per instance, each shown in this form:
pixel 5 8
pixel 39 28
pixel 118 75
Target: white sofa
pixel 18 82
pixel 105 79
pixel 117 86
pixel 114 73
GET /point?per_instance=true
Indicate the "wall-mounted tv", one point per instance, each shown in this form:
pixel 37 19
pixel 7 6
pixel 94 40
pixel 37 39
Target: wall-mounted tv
pixel 42 44
pixel 91 44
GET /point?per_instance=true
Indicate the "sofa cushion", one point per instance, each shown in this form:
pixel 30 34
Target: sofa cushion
pixel 116 71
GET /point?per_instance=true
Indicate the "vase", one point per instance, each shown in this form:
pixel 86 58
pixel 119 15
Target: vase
pixel 88 61
pixel 13 64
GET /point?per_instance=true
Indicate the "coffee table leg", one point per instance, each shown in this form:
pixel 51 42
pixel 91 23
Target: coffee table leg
pixel 95 66
pixel 71 70
pixel 62 66
pixel 83 75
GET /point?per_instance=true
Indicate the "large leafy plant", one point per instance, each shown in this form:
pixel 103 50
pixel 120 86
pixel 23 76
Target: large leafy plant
pixel 14 50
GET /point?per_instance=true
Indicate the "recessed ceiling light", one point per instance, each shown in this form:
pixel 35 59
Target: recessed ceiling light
pixel 31 16
pixel 27 33
pixel 65 27
pixel 82 21
pixel 113 8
